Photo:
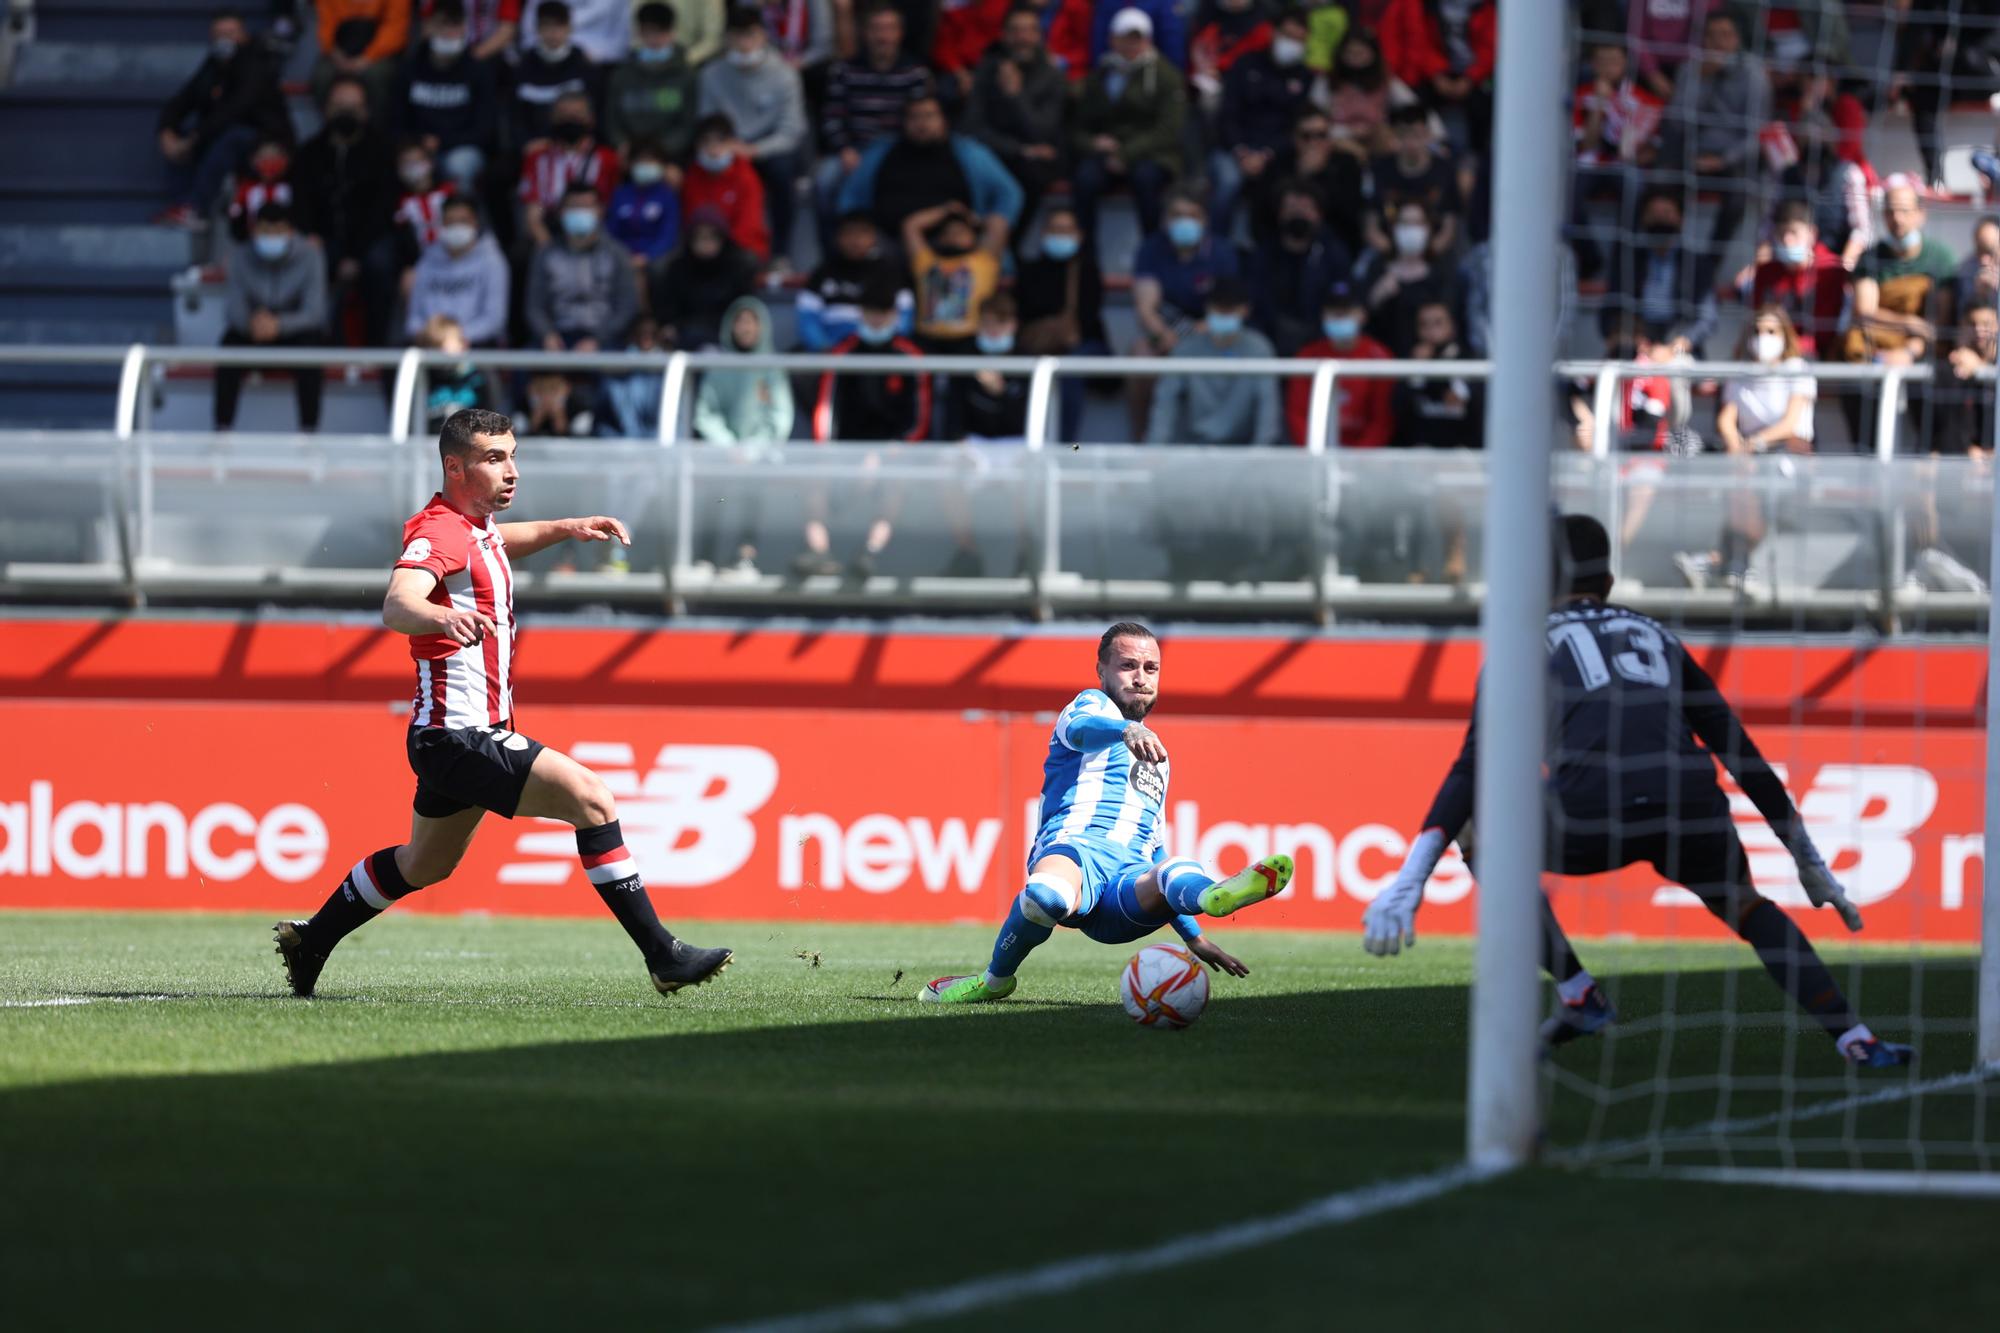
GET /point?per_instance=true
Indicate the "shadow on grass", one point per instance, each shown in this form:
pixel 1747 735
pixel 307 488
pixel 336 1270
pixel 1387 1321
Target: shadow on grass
pixel 687 1178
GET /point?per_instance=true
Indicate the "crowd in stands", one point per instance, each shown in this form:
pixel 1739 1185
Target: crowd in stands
pixel 1309 179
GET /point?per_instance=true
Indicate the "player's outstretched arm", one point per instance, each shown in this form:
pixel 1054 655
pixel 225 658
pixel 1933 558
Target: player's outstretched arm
pixel 408 609
pixel 1716 723
pixel 1092 723
pixel 1391 919
pixel 523 539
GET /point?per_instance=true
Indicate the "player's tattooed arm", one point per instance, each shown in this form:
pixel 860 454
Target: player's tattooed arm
pixel 408 609
pixel 1144 744
pixel 523 539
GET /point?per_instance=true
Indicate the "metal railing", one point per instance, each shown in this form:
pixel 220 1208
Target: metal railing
pixel 410 368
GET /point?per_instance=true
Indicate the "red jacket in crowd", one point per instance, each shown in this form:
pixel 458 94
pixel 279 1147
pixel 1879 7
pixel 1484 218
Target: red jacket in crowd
pixel 547 171
pixel 1068 37
pixel 1413 44
pixel 1814 297
pixel 738 194
pixel 1366 418
pixel 965 28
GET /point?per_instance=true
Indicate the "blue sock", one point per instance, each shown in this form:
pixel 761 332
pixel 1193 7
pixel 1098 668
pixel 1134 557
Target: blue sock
pixel 1030 922
pixel 1181 884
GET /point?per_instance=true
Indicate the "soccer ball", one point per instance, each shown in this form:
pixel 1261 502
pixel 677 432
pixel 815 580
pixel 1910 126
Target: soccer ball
pixel 1164 987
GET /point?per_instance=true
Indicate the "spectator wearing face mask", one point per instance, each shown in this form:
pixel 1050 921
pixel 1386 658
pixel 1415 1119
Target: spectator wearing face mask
pixel 569 155
pixel 1016 108
pixel 695 287
pixel 829 305
pixel 1415 173
pixel 1261 94
pixel 581 293
pixel 548 69
pixel 230 102
pixel 1175 269
pixel 463 277
pixel 446 99
pixel 345 179
pixel 1166 25
pixel 1218 409
pixel 1128 123
pixel 988 406
pixel 1287 279
pixel 268 181
pixel 1060 293
pixel 1363 415
pixel 362 40
pixel 645 212
pixel 1400 285
pixel 1902 287
pixel 652 97
pixel 865 101
pixel 765 104
pixel 1339 177
pixel 1805 279
pixel 1658 282
pixel 875 407
pixel 723 177
pixel 274 294
pixel 419 214
pixel 955 272
pixel 1761 414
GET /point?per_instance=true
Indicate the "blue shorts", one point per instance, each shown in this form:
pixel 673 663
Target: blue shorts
pixel 1107 906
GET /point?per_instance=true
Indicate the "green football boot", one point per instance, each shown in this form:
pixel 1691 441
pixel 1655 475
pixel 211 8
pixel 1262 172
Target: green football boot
pixel 1253 884
pixel 965 990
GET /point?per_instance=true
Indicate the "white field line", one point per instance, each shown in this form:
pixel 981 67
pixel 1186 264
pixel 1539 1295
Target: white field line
pixel 1957 1184
pixel 1067 1275
pixel 1697 1134
pixel 62 1000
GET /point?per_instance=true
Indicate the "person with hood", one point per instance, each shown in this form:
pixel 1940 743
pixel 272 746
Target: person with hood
pixel 724 178
pixel 693 290
pixel 1128 124
pixel 463 278
pixel 652 96
pixel 229 102
pixel 928 165
pixel 751 410
pixel 829 305
pixel 765 103
pixel 275 295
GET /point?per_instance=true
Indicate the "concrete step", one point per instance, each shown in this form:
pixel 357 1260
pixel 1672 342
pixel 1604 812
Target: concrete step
pixel 165 250
pixel 129 22
pixel 94 140
pixel 95 200
pixel 153 71
pixel 82 331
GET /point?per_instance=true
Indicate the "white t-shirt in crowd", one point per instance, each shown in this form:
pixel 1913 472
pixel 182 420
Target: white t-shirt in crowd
pixel 1761 403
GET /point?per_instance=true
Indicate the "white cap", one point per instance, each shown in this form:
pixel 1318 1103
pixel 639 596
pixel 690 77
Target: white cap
pixel 1131 20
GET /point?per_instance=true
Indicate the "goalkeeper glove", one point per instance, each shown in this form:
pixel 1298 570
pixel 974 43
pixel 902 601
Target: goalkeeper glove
pixel 1391 920
pixel 1822 889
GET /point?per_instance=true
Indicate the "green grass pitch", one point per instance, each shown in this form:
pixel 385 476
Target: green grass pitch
pixel 495 1123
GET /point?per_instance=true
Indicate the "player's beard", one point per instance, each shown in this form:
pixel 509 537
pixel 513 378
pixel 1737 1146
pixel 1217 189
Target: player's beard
pixel 1136 708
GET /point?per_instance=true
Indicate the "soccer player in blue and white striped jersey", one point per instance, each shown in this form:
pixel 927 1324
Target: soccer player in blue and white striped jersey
pixel 1098 865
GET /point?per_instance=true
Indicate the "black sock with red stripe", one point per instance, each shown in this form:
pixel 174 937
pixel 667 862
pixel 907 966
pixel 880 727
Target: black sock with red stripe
pixel 615 876
pixel 365 894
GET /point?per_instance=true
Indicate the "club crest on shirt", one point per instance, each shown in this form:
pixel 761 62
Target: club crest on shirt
pixel 416 552
pixel 1147 781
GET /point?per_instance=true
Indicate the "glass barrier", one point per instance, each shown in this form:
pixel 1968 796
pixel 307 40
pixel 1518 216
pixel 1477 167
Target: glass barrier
pixel 1775 540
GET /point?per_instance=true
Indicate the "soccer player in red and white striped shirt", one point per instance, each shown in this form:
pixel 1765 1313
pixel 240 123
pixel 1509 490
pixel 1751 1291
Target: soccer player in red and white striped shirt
pixel 452 593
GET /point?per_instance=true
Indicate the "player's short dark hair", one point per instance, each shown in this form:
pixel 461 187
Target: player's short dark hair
pixel 552 11
pixel 1582 556
pixel 656 15
pixel 461 428
pixel 1122 630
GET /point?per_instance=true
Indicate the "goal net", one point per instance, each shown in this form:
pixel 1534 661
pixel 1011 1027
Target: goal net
pixel 1778 226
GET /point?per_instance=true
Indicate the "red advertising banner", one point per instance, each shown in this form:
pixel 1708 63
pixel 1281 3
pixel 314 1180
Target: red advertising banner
pixel 880 815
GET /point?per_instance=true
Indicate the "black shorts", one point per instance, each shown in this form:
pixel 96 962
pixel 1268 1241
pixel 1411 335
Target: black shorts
pixel 460 768
pixel 1703 853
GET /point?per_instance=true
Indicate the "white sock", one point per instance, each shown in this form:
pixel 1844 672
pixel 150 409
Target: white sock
pixel 993 982
pixel 1852 1037
pixel 1573 990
